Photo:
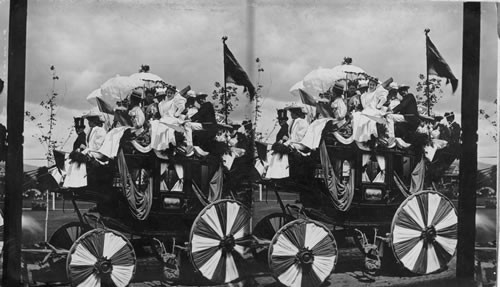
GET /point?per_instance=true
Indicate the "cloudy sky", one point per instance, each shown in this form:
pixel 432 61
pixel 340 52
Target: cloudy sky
pixel 91 41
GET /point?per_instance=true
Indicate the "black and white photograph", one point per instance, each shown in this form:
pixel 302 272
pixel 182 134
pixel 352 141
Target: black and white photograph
pixel 248 143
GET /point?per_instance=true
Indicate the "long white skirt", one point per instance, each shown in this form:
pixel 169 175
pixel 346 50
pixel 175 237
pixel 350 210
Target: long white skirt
pixel 76 174
pixel 278 166
pixel 162 135
pixel 362 126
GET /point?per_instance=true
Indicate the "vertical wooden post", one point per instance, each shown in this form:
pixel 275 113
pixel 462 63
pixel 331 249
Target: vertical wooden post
pixel 468 160
pixel 15 127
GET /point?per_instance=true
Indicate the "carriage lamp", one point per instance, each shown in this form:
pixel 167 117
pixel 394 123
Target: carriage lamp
pixel 373 194
pixel 171 202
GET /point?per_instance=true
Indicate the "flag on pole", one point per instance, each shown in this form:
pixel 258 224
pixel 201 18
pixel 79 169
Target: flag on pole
pixel 104 107
pixel 436 65
pixel 184 91
pixel 235 74
pixel 306 98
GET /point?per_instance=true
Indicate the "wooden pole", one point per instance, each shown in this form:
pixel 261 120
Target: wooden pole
pixel 427 30
pixel 15 126
pixel 224 38
pixel 468 160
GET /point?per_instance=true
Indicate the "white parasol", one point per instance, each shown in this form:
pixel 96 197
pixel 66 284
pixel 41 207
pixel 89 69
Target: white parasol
pixel 149 80
pixel 294 90
pixel 348 71
pixel 321 80
pixel 120 87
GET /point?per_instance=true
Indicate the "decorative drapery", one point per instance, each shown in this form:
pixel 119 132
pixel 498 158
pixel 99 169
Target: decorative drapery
pixel 137 188
pixel 417 180
pixel 341 194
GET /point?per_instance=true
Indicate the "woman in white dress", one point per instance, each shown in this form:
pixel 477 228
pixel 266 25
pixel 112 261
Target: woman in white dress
pixel 162 131
pixel 363 125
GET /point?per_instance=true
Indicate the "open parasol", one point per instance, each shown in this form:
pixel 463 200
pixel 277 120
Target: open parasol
pixel 149 80
pixel 321 80
pixel 348 71
pixel 120 87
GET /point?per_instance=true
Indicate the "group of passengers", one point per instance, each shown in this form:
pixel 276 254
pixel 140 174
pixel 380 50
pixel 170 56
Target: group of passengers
pixel 162 120
pixel 367 112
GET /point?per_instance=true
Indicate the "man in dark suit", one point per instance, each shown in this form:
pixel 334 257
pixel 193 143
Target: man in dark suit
pixel 206 112
pixel 204 118
pixel 81 141
pixel 283 132
pixel 404 119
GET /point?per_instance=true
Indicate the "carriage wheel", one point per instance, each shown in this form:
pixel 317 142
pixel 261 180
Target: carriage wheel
pixel 66 235
pixel 424 232
pixel 217 240
pixel 266 228
pixel 101 258
pixel 302 253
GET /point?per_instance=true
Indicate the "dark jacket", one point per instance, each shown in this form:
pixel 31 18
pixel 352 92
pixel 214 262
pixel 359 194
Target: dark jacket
pixel 408 108
pixel 80 140
pixel 206 114
pixel 282 132
pixel 454 133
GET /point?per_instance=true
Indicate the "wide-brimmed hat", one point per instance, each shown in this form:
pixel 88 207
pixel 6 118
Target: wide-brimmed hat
pixel 282 114
pixel 403 87
pixel 338 87
pixel 191 94
pixel 363 84
pixel 79 122
pixel 201 96
pixel 393 86
pixel 137 93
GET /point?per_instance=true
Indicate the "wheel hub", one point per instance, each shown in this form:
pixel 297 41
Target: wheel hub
pixel 103 266
pixel 429 234
pixel 227 243
pixel 305 256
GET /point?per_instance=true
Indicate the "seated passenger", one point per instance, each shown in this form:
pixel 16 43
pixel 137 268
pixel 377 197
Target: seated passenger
pixel 190 108
pixel 404 119
pixel 170 109
pixel 203 118
pixel 364 125
pixel 135 112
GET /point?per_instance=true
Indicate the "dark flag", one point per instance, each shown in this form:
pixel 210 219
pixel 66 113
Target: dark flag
pixel 306 98
pixel 104 107
pixel 1 85
pixel 437 66
pixel 235 74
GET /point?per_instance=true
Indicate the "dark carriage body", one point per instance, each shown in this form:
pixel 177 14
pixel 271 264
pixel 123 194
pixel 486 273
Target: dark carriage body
pixel 167 213
pixel 373 203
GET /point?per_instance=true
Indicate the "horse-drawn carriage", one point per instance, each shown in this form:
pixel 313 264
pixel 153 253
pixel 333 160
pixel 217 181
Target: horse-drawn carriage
pixel 346 189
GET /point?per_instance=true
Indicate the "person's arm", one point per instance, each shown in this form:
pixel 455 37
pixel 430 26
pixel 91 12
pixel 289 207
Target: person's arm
pixel 397 109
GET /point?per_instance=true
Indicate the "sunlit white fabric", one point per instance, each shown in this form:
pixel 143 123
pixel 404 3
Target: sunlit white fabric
pixel 112 244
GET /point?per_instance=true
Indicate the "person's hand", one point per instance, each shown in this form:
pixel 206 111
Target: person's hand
pixel 285 138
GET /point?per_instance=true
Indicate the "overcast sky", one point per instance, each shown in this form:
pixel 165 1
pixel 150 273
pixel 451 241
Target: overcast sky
pixel 91 41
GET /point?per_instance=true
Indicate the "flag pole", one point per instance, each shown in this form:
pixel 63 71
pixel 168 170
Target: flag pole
pixel 427 30
pixel 224 38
